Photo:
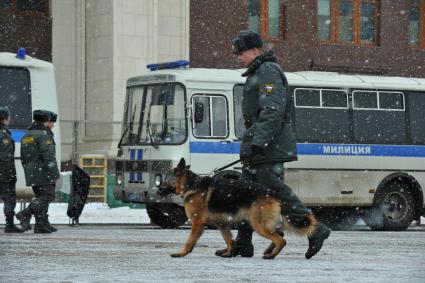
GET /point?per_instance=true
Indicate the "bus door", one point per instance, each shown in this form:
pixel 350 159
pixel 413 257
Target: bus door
pixel 211 144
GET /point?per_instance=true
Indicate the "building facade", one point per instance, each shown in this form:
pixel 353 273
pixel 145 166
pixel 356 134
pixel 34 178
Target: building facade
pixel 95 46
pixel 385 37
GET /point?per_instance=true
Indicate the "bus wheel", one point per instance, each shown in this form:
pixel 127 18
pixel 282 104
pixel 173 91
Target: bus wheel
pixel 393 208
pixel 166 215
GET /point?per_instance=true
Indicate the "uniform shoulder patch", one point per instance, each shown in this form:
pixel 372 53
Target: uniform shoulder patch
pixel 269 88
pixel 27 140
pixel 49 141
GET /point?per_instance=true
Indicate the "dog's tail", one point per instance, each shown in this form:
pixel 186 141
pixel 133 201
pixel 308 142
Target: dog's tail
pixel 302 226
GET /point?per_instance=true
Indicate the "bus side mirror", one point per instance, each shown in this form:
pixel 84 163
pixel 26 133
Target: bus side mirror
pixel 199 112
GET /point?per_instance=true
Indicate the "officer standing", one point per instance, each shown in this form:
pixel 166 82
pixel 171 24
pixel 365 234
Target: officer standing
pixel 269 139
pixel 38 156
pixel 7 172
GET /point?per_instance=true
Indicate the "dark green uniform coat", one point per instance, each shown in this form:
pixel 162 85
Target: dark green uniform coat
pixel 38 156
pixel 7 156
pixel 267 107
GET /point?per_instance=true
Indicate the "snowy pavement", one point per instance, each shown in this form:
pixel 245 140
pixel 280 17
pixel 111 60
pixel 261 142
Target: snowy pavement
pixel 119 253
pixel 98 213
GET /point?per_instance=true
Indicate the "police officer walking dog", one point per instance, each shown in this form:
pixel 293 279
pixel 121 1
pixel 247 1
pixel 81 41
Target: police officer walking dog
pixel 7 172
pixel 38 156
pixel 269 139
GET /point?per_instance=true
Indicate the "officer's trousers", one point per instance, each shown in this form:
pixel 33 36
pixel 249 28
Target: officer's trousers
pixel 271 175
pixel 40 203
pixel 8 195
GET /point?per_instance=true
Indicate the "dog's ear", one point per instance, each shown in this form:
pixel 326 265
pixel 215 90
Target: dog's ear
pixel 182 164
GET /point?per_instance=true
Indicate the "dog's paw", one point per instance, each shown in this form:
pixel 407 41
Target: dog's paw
pixel 269 249
pixel 178 254
pixel 268 256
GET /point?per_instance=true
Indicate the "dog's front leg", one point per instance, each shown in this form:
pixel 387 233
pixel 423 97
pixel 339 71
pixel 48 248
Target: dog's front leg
pixel 226 232
pixel 195 234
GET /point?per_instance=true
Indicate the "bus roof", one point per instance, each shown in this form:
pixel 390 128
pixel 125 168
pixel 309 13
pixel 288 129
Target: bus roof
pixel 304 78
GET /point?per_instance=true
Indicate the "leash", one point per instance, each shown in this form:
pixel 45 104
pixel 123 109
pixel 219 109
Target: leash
pixel 216 170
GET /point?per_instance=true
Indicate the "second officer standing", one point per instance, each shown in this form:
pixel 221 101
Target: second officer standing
pixel 38 156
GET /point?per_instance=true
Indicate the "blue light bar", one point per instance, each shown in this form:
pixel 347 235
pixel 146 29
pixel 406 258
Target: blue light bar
pixel 21 53
pixel 168 65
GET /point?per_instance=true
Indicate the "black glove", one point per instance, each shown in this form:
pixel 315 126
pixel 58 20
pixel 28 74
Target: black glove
pixel 256 150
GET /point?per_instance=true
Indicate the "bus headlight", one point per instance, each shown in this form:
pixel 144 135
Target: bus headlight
pixel 119 179
pixel 158 180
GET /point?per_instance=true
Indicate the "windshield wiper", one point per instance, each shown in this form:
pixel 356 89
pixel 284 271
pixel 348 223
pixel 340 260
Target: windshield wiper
pixel 165 116
pixel 148 127
pixel 129 126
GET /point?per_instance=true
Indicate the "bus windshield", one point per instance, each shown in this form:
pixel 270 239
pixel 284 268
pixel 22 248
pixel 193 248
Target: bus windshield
pixel 155 115
pixel 15 94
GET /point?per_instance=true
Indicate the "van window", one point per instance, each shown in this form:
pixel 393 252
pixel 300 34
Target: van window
pixel 391 100
pixel 379 117
pixel 237 109
pixel 417 117
pixel 307 98
pixel 365 99
pixel 15 94
pixel 214 122
pixel 321 115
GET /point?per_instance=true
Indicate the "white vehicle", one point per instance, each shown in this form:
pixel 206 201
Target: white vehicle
pixel 26 84
pixel 361 141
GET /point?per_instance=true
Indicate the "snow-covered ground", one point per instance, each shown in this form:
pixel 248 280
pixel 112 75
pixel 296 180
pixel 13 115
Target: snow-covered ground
pixel 133 253
pixel 93 213
pixel 100 213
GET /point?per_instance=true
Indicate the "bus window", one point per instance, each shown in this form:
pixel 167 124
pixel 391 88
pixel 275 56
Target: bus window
pixel 15 93
pixel 307 97
pixel 417 117
pixel 365 99
pixel 237 110
pixel 391 100
pixel 378 117
pixel 334 98
pixel 214 122
pixel 321 115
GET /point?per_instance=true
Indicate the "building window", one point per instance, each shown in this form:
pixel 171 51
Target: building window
pixel 266 17
pixel 32 7
pixel 348 21
pixel 417 23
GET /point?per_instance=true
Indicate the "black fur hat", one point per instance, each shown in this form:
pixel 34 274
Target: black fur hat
pixel 246 40
pixel 53 117
pixel 4 112
pixel 41 116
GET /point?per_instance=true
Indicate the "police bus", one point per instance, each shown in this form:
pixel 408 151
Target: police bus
pixel 360 141
pixel 26 84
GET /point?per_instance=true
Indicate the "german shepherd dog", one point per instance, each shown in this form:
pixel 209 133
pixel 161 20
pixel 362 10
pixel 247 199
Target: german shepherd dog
pixel 223 202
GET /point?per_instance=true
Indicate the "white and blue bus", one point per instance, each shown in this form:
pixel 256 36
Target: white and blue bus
pixel 360 141
pixel 26 84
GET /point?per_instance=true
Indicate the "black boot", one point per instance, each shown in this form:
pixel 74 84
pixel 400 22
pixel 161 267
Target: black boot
pixel 41 226
pixel 11 227
pixel 24 217
pixel 243 244
pixel 53 229
pixel 315 242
